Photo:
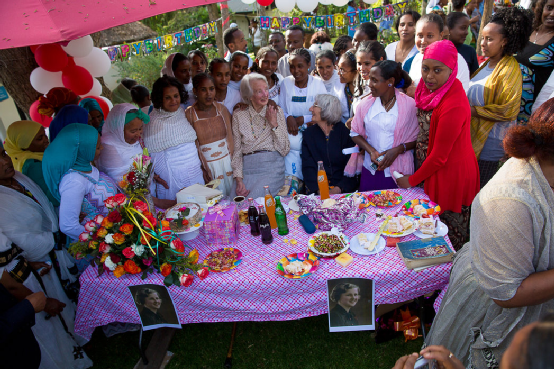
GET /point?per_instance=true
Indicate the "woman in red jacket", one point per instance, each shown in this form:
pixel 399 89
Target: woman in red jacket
pixel 444 155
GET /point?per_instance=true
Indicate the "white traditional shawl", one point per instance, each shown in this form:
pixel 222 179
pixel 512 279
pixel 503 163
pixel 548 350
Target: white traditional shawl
pixel 117 156
pixel 26 223
pixel 167 129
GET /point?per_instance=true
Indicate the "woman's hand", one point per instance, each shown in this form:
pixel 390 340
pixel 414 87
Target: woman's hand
pixel 406 362
pixel 348 123
pixel 335 190
pixel 53 307
pixel 241 188
pixel 374 155
pixel 272 103
pixel 410 91
pixel 474 112
pixel 300 121
pixel 82 216
pixel 162 203
pixel 390 157
pixel 271 116
pixel 443 356
pixel 36 265
pixel 403 182
pixel 241 106
pixel 292 126
pixel 162 182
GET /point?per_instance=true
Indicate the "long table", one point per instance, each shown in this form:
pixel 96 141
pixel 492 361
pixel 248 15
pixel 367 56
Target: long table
pixel 254 291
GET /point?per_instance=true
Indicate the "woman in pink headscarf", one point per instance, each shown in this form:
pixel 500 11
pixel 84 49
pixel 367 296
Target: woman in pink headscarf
pixel 444 156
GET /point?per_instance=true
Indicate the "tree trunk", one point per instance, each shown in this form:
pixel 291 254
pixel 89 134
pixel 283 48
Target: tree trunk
pixel 423 7
pixel 213 14
pixel 487 12
pixel 16 66
pixel 225 23
pixel 265 36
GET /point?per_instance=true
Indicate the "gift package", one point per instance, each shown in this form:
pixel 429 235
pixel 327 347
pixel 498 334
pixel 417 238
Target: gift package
pixel 221 225
pixel 331 213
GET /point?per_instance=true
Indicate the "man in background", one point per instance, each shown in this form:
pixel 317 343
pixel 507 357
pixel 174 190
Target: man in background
pixel 277 41
pixel 294 40
pixel 234 40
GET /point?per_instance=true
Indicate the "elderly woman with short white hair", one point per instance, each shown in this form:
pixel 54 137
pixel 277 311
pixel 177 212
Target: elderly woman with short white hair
pixel 324 141
pixel 260 140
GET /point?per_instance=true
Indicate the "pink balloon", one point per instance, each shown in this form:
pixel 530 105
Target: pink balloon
pixel 77 79
pixel 37 117
pixel 51 57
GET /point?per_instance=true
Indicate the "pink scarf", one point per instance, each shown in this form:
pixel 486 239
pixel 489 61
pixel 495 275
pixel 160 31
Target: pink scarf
pixel 445 52
pixel 167 68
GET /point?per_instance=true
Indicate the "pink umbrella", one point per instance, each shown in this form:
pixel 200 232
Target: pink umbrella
pixel 32 22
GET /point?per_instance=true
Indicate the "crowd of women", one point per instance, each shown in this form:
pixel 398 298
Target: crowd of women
pixel 407 115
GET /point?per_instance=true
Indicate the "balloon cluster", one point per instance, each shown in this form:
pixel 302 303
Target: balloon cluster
pixel 73 65
pixel 306 6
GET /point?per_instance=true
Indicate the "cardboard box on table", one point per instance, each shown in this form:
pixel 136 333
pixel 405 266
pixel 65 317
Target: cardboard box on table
pixel 222 225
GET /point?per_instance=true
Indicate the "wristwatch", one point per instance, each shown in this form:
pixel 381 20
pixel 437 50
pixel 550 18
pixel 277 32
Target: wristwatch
pixel 274 129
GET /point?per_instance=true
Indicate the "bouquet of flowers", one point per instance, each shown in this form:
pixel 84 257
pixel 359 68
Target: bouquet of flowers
pixel 130 240
pixel 136 182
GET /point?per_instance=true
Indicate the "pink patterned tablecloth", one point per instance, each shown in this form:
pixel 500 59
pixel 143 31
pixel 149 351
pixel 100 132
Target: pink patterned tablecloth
pixel 254 291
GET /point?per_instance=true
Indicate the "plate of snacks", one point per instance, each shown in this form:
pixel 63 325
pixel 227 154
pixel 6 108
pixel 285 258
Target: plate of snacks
pixel 418 207
pixel 429 227
pixel 297 266
pixel 223 260
pixel 329 243
pixel 361 244
pixel 185 217
pixel 400 226
pixel 384 199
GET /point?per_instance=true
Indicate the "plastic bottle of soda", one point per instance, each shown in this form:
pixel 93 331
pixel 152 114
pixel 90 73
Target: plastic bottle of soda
pixel 265 227
pixel 281 217
pixel 270 207
pixel 253 218
pixel 322 182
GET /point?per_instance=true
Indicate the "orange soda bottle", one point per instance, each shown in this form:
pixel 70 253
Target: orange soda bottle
pixel 270 208
pixel 322 182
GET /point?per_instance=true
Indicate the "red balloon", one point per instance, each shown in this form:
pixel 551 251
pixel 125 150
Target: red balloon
pixel 77 79
pixel 265 2
pixel 45 120
pixel 103 104
pixel 51 57
pixel 34 47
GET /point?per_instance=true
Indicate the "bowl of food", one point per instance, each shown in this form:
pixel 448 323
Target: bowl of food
pixel 384 199
pixel 223 260
pixel 400 226
pixel 328 244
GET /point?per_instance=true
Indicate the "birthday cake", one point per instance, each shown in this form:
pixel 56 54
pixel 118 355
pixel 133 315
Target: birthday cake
pixel 182 217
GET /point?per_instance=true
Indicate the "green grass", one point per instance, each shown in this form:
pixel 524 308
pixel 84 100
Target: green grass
pixel 305 343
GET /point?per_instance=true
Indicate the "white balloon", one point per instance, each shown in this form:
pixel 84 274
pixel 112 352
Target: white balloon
pixel 370 1
pixel 326 2
pixel 248 1
pixel 340 2
pixel 80 47
pixel 307 6
pixel 96 89
pixel 97 62
pixel 43 81
pixel 110 78
pixel 285 6
pixel 110 105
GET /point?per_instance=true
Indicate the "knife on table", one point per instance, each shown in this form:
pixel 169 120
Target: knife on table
pixel 379 232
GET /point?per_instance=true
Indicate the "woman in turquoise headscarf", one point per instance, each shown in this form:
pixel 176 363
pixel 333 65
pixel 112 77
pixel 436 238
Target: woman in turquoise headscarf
pixel 95 112
pixel 72 179
pixel 67 115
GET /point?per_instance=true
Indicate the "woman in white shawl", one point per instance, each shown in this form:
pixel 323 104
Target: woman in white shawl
pixel 28 220
pixel 503 279
pixel 170 139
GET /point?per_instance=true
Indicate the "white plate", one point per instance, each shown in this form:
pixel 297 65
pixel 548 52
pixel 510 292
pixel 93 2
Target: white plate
pixel 358 249
pixel 405 233
pixel 335 232
pixel 197 226
pixel 441 230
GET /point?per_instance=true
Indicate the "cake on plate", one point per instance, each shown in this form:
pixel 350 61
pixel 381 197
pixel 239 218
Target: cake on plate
pixel 182 217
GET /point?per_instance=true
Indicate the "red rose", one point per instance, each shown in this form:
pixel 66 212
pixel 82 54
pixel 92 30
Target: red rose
pixel 104 247
pixel 120 198
pixel 177 245
pixel 114 217
pixel 128 253
pixel 203 273
pixel 131 178
pixel 140 206
pixel 186 280
pixel 115 258
pixel 151 221
pixel 131 267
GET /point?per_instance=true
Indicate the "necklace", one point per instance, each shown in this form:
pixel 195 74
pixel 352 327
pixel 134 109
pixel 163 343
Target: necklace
pixel 389 104
pixel 537 34
pixel 404 53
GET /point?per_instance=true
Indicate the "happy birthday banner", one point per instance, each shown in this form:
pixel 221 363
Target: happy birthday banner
pixel 189 35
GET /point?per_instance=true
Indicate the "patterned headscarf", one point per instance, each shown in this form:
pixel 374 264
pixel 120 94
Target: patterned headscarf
pixel 20 135
pixel 74 148
pixel 55 99
pixel 445 52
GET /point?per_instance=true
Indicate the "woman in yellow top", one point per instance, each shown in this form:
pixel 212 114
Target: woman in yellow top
pixel 495 88
pixel 25 144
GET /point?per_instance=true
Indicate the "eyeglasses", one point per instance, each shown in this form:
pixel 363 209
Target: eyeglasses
pixel 316 106
pixel 342 71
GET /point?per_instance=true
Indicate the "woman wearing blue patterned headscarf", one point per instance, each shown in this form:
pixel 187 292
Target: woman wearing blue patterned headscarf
pixel 67 115
pixel 95 112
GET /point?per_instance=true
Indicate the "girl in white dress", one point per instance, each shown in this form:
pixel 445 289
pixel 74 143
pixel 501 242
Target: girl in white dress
pixel 266 64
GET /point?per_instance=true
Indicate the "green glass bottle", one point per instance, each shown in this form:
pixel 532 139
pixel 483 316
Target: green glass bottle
pixel 281 217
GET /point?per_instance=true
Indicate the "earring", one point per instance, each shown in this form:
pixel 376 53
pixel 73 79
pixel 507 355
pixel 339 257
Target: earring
pixel 390 84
